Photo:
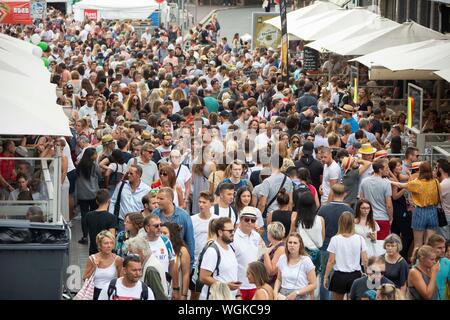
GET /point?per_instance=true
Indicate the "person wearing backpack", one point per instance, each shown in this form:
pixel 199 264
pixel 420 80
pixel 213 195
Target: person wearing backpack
pixel 224 206
pixel 128 287
pixel 341 97
pixel 272 186
pixel 218 262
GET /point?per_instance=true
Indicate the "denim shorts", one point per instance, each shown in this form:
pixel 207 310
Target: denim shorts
pixel 425 218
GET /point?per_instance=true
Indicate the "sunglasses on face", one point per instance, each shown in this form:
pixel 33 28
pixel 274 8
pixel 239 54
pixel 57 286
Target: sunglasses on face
pixel 251 220
pixel 158 225
pixel 163 174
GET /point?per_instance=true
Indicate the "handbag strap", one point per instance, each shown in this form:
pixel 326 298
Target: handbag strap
pixel 438 192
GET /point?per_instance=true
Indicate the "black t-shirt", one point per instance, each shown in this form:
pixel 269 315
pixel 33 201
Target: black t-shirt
pixel 359 287
pixel 376 127
pixel 314 166
pixel 98 221
pixel 126 156
pixel 397 272
pixel 331 212
pixel 365 106
pixel 284 217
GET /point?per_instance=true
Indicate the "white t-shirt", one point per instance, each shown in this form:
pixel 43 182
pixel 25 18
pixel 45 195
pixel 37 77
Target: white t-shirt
pixel 228 267
pixel 295 276
pixel 348 252
pixel 124 293
pixel 159 250
pixel 66 151
pixel 247 251
pixel 200 234
pixel 183 177
pixel 121 168
pixel 312 238
pixel 331 172
pixel 225 212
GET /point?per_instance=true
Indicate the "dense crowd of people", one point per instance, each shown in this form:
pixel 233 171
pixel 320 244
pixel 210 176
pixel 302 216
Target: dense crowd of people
pixel 200 174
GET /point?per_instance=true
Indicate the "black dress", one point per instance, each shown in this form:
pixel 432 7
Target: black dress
pixel 401 224
pixel 284 217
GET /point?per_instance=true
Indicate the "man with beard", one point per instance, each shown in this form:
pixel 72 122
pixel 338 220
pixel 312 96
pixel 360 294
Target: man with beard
pixel 163 151
pixel 218 262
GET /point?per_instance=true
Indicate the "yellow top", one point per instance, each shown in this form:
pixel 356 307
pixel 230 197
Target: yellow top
pixel 424 192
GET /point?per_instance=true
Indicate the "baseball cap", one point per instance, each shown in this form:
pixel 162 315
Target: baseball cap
pixel 308 148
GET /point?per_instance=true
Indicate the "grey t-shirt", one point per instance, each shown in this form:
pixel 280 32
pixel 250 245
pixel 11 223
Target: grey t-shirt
pixel 271 186
pixel 360 286
pixel 376 189
pixel 351 183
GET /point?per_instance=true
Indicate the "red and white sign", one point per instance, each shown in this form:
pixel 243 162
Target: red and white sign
pixel 160 1
pixel 15 12
pixel 91 14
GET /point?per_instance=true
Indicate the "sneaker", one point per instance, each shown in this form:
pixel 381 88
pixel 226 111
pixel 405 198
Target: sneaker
pixel 83 240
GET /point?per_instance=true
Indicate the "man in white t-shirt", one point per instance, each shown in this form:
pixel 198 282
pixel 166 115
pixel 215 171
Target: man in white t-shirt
pixel 223 207
pixel 247 243
pixel 128 287
pixel 160 245
pixel 219 263
pixel 200 223
pixel 331 174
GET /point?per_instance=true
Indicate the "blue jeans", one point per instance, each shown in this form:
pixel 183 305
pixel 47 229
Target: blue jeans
pixel 324 294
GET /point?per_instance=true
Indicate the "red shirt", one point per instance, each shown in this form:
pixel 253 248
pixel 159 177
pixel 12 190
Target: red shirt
pixel 7 168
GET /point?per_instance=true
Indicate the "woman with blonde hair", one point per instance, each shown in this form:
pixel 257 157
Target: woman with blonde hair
pixel 275 235
pixel 324 99
pixel 104 265
pixel 422 283
pixel 296 279
pixel 346 251
pixel 220 291
pixel 388 291
pixel 177 96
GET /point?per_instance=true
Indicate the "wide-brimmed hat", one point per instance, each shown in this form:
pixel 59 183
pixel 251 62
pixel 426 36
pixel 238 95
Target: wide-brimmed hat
pixel 347 163
pixel 367 148
pixel 347 108
pixel 415 165
pixel 381 154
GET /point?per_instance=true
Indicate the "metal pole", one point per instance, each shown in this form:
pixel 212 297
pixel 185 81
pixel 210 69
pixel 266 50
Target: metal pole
pixel 419 12
pixel 397 10
pixel 432 8
pixel 408 8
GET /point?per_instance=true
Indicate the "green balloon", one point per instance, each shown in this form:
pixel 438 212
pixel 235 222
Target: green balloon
pixel 46 62
pixel 43 45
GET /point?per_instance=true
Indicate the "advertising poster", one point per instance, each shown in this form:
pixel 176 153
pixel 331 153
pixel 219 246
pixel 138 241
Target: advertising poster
pixel 15 12
pixel 414 107
pixel 38 9
pixel 91 14
pixel 265 35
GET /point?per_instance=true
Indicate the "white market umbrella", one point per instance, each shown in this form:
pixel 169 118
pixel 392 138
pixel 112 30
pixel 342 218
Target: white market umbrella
pixel 444 74
pixel 408 32
pixel 378 23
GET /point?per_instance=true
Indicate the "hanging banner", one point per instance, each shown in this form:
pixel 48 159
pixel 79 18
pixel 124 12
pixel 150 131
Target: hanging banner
pixel 38 9
pixel 409 122
pixel 284 41
pixel 265 35
pixel 91 14
pixel 15 12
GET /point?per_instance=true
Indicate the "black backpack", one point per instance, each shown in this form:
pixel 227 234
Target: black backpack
pixel 230 209
pixel 298 191
pixel 344 98
pixel 112 290
pixel 209 244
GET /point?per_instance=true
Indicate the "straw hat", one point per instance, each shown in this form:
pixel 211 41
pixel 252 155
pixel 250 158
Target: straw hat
pixel 347 163
pixel 147 136
pixel 107 138
pixel 347 108
pixel 415 165
pixel 381 154
pixel 367 148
